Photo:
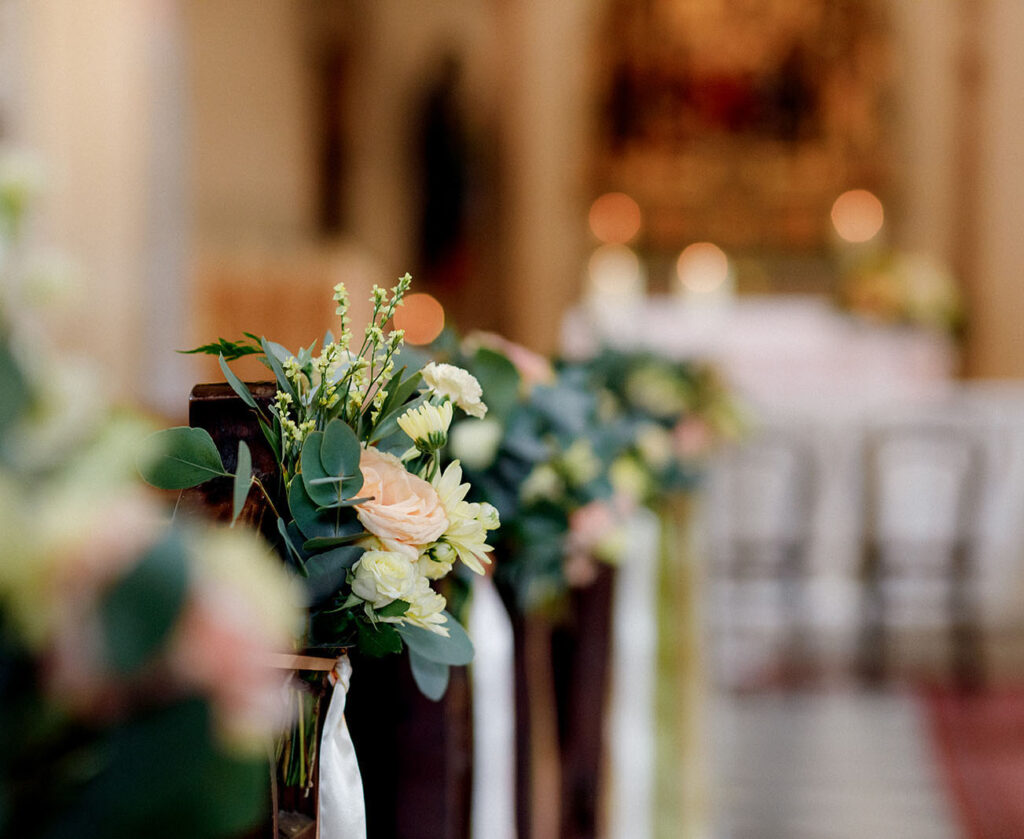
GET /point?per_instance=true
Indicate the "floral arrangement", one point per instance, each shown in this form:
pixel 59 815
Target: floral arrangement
pixel 894 287
pixel 569 450
pixel 666 417
pixel 132 688
pixel 368 515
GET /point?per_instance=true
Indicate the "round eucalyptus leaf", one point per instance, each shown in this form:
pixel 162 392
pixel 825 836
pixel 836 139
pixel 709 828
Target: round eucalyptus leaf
pixel 179 458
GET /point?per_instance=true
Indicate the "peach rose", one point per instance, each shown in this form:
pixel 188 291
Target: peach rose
pixel 403 510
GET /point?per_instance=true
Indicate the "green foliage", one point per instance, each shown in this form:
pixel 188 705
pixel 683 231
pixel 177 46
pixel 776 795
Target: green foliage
pixel 179 458
pixel 330 465
pixel 431 677
pixel 237 385
pixel 394 609
pixel 14 391
pixel 379 639
pixel 230 350
pixel 499 379
pixel 315 523
pixel 143 606
pixel 163 776
pixel 243 480
pixel 456 649
pixel 326 571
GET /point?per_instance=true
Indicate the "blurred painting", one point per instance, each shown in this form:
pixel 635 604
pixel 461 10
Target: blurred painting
pixel 740 121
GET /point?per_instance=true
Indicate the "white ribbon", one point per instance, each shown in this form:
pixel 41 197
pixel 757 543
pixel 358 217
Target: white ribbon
pixel 633 678
pixel 341 809
pixel 494 758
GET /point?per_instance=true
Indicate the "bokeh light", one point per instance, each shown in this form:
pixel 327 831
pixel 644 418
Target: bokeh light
pixel 422 318
pixel 702 267
pixel 857 215
pixel 614 271
pixel 615 218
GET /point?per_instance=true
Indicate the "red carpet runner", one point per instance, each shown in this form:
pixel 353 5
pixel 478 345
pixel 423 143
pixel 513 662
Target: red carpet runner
pixel 980 742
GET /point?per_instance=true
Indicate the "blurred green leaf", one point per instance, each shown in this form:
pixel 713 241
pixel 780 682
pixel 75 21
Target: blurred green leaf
pixel 431 677
pixel 457 649
pixel 499 379
pixel 141 609
pixel 14 391
pixel 166 778
pixel 179 458
pixel 231 350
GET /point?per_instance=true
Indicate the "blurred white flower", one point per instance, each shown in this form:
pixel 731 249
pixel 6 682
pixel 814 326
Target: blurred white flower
pixel 655 445
pixel 476 443
pixel 542 484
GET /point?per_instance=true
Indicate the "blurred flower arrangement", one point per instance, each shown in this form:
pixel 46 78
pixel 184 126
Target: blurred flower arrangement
pixel 569 450
pixel 134 689
pixel 894 287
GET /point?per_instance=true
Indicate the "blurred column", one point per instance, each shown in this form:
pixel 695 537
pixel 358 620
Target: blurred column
pixel 997 124
pixel 165 377
pixel 88 107
pixel 546 53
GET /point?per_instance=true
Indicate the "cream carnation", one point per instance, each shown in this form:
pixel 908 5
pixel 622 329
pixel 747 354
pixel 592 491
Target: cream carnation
pixel 402 508
pixel 456 384
pixel 382 577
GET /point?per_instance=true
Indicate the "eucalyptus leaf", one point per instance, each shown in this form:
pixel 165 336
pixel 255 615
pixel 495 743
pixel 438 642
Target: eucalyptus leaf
pixel 139 612
pixel 236 384
pixel 457 649
pixel 348 502
pixel 323 543
pixel 326 571
pixel 339 455
pixel 431 677
pixel 272 437
pixel 274 363
pixel 243 480
pixel 315 523
pixel 300 561
pixel 179 458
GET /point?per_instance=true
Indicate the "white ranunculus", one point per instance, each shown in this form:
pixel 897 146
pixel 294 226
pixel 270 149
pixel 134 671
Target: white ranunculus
pixel 456 384
pixel 476 443
pixel 382 577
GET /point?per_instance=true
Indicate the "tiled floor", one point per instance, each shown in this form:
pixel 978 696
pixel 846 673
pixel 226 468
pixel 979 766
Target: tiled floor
pixel 843 765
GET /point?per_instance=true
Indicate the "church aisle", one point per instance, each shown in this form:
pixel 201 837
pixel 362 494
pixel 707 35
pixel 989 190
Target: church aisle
pixel 837 765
